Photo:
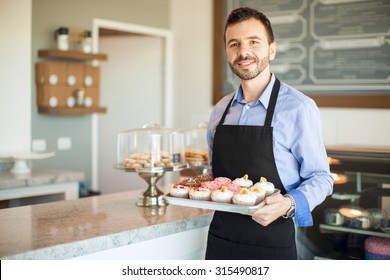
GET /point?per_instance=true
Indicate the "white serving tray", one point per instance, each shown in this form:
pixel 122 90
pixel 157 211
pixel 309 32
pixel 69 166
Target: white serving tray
pixel 218 206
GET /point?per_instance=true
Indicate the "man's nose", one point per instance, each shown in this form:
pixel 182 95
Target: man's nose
pixel 243 50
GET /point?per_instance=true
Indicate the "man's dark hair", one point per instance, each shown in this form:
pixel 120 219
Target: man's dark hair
pixel 242 14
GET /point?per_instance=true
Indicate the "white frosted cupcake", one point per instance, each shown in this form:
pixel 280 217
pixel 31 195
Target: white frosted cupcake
pixel 258 192
pixel 222 195
pixel 244 197
pixel 267 186
pixel 200 193
pixel 179 191
pixel 243 182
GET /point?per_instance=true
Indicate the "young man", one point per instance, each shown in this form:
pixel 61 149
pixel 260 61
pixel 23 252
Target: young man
pixel 264 129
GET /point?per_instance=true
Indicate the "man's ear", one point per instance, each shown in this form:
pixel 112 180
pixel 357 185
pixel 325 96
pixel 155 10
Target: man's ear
pixel 272 51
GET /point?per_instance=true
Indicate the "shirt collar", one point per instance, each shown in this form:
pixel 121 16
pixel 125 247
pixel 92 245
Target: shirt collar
pixel 264 97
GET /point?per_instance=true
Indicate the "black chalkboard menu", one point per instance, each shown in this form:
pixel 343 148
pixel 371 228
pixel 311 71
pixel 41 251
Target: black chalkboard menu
pixel 336 51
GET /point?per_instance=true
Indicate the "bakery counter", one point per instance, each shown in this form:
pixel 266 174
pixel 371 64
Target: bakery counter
pixel 107 226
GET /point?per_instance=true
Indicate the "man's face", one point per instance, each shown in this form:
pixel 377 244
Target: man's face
pixel 247 48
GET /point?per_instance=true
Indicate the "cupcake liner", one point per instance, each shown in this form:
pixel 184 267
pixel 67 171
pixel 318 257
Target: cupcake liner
pixel 194 197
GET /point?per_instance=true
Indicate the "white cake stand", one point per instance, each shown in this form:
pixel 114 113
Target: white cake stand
pixel 21 160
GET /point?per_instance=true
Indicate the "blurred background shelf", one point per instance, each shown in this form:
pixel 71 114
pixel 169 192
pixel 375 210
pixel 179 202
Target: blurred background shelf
pixel 330 229
pixel 71 111
pixel 71 54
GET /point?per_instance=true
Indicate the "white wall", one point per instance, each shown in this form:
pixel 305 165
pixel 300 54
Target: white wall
pixel 132 90
pixel 368 127
pixel 15 75
pixel 191 23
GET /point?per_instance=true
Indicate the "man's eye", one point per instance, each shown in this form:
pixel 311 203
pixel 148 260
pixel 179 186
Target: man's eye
pixel 254 42
pixel 234 45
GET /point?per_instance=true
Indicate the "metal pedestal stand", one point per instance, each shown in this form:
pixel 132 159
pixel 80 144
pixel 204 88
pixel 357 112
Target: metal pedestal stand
pixel 153 196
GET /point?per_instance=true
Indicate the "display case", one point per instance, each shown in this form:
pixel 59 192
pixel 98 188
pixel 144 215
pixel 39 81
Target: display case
pixel 362 183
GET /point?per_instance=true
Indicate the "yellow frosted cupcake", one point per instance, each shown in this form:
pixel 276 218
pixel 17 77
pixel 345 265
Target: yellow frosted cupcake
pixel 244 197
pixel 258 192
pixel 265 185
pixel 243 182
pixel 222 195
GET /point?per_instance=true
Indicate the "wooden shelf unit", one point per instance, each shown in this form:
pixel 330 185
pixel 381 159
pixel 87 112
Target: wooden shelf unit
pixel 77 57
pixel 71 111
pixel 71 54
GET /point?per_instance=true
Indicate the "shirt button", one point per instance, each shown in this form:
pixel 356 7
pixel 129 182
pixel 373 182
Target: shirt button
pixel 247 106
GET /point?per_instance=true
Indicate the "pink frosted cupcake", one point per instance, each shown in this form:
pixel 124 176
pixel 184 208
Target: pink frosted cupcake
pixel 211 186
pixel 222 181
pixel 233 188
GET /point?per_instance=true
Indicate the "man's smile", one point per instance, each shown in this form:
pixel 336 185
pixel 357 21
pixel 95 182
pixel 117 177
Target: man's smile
pixel 245 63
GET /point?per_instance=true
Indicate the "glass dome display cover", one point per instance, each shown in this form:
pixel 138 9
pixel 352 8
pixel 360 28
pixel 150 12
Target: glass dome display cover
pixel 151 151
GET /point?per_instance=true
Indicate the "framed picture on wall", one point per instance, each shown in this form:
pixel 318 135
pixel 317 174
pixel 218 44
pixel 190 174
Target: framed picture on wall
pixel 337 52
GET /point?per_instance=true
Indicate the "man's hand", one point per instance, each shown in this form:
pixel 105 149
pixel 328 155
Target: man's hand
pixel 275 206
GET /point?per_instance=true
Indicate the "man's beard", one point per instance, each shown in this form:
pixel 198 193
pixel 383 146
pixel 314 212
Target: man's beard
pixel 246 74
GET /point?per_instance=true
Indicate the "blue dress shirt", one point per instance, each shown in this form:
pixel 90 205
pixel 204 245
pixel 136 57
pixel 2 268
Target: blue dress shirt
pixel 298 147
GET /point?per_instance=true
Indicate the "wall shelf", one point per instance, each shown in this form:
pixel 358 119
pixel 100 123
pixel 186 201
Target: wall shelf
pixel 71 111
pixel 71 54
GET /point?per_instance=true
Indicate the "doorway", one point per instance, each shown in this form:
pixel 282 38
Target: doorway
pixel 135 87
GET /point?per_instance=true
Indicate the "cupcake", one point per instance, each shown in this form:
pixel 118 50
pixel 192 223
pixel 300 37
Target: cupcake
pixel 233 188
pixel 258 192
pixel 221 181
pixel 204 178
pixel 243 182
pixel 200 193
pixel 244 197
pixel 222 195
pixel 211 185
pixel 179 191
pixel 191 183
pixel 267 186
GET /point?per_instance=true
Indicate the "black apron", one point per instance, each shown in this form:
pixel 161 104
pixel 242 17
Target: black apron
pixel 240 150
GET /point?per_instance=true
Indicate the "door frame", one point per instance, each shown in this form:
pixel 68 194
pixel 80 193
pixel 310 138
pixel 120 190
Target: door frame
pixel 167 78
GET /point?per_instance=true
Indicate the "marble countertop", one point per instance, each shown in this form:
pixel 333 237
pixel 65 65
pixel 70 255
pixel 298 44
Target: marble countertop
pixel 67 229
pixel 39 177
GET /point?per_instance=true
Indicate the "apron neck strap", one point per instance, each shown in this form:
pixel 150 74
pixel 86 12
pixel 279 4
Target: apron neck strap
pixel 271 105
pixel 226 111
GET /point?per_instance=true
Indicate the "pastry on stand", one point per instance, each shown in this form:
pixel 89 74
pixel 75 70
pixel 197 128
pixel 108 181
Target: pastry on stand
pixel 196 149
pixel 151 151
